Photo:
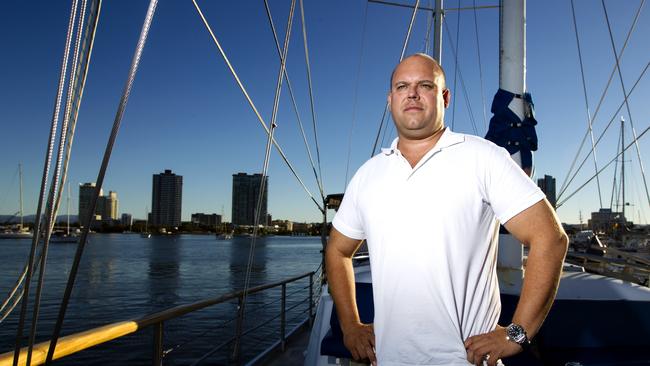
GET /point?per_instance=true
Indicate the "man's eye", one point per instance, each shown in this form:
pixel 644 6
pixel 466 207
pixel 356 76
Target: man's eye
pixel 427 86
pixel 400 87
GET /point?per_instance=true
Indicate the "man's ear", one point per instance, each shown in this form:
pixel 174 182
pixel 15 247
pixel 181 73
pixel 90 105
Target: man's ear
pixel 446 95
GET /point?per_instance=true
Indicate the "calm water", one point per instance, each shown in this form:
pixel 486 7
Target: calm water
pixel 123 276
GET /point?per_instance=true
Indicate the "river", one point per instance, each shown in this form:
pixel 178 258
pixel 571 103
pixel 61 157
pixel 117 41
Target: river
pixel 124 276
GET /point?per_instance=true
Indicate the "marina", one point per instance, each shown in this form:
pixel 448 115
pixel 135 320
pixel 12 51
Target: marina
pixel 240 296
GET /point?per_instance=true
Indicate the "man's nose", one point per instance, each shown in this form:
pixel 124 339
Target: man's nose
pixel 413 92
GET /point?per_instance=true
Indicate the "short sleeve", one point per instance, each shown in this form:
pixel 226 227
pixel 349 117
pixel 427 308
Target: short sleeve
pixel 509 190
pixel 347 219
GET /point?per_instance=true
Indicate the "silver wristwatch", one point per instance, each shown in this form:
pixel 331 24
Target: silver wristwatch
pixel 516 333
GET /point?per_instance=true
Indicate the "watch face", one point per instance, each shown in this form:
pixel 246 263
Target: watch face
pixel 516 333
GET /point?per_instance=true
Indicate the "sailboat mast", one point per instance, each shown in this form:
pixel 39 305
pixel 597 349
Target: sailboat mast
pixel 437 37
pixel 20 179
pixel 512 79
pixel 623 164
pixel 512 51
pixel 68 211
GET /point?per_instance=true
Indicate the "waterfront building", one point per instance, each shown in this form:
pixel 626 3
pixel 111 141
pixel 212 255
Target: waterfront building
pixel 547 185
pixel 86 192
pixel 607 221
pixel 166 199
pixel 107 206
pixel 210 220
pixel 245 195
pixel 126 220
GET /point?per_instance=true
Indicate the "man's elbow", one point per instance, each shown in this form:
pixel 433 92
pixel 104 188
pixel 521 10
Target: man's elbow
pixel 561 245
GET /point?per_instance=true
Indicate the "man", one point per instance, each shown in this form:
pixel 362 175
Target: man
pixel 428 209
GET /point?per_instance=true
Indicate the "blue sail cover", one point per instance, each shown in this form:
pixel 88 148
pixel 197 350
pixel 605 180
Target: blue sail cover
pixel 508 131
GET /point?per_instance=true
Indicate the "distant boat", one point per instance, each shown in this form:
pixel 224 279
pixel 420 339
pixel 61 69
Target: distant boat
pixel 146 234
pixel 224 236
pixel 67 236
pixel 18 231
pixel 63 237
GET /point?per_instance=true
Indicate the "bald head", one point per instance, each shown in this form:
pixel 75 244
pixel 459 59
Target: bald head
pixel 437 69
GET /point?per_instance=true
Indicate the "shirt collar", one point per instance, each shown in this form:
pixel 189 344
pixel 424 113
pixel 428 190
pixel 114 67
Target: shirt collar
pixel 447 139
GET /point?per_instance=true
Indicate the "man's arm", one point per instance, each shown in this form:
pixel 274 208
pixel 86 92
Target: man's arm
pixel 358 338
pixel 538 228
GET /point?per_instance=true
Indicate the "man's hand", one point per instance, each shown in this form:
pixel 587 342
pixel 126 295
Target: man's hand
pixel 360 340
pixel 490 347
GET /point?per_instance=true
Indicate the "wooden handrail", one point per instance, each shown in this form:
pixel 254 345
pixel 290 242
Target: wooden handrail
pixel 77 342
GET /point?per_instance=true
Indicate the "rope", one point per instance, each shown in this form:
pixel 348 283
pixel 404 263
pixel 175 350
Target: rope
pixel 311 98
pixel 252 105
pixel 603 168
pixel 564 186
pixel 293 99
pixel 100 177
pixel 584 89
pixel 611 200
pixel 606 127
pixel 267 157
pixel 462 84
pixel 627 105
pixel 356 95
pixel 401 57
pixel 44 179
pixel 480 68
pixel 453 110
pixel 52 206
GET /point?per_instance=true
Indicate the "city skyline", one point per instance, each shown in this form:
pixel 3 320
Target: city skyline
pixel 187 113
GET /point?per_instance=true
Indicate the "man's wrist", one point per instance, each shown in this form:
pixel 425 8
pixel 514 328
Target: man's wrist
pixel 517 334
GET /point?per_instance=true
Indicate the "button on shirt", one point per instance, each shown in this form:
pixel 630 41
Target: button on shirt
pixel 432 236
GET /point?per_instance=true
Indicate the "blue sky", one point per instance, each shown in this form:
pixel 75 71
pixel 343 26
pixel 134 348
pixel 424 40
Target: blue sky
pixel 187 114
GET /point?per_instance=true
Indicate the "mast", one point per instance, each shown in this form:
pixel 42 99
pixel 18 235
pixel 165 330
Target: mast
pixel 512 51
pixel 623 166
pixel 20 178
pixel 512 79
pixel 68 211
pixel 437 36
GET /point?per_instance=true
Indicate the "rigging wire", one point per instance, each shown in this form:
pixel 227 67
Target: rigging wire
pixel 267 157
pixel 620 143
pixel 81 77
pixel 52 206
pixel 401 57
pixel 564 185
pixel 480 68
pixel 462 83
pixel 293 99
pixel 427 35
pixel 453 109
pixel 100 177
pixel 584 89
pixel 627 105
pixel 311 98
pixel 606 127
pixel 46 171
pixel 11 184
pixel 252 105
pixel 356 95
pixel 604 167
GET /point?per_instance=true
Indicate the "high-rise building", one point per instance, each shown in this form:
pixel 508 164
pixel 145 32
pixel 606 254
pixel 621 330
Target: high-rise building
pixel 126 220
pixel 211 220
pixel 245 193
pixel 166 199
pixel 547 185
pixel 86 192
pixel 107 206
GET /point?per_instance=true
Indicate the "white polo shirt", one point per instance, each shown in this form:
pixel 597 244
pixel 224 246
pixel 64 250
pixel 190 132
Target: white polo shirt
pixel 432 236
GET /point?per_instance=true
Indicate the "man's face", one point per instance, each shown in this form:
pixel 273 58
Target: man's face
pixel 418 98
